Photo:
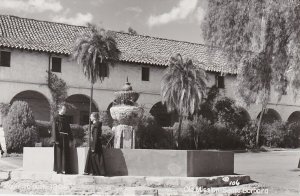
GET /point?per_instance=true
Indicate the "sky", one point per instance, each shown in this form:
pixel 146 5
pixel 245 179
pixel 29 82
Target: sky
pixel 172 19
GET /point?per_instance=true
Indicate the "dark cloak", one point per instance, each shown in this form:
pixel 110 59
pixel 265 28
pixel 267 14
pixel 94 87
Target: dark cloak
pixel 95 161
pixel 62 152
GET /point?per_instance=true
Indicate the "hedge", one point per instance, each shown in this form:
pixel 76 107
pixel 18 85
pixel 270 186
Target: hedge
pixel 19 127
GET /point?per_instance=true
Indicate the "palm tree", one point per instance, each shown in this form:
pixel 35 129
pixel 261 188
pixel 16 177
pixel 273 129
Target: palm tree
pixel 95 49
pixel 183 87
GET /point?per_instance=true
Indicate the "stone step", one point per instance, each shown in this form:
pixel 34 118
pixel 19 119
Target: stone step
pixel 33 187
pixel 134 181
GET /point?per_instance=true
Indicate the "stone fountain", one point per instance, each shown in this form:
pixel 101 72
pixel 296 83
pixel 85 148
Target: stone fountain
pixel 126 112
pixel 124 160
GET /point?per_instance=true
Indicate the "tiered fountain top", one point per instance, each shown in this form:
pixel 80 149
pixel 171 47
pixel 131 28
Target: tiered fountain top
pixel 126 96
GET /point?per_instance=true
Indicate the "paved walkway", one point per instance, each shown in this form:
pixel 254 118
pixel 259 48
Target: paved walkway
pixel 8 164
pixel 276 169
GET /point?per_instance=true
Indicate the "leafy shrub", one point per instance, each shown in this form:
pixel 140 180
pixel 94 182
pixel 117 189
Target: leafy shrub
pixel 106 137
pixel 78 134
pixel 77 131
pixel 186 142
pixel 223 110
pixel 221 137
pixel 150 135
pixel 170 136
pixel 46 141
pixel 280 134
pixel 86 135
pixel 44 129
pixel 4 108
pixel 199 126
pixel 20 128
pixel 229 113
pixel 105 118
pixel 274 134
pixel 200 133
pixel 207 107
pixel 58 89
pixel 291 138
pixel 248 135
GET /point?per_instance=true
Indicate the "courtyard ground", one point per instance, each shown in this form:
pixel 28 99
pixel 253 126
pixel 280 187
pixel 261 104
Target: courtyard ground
pixel 275 170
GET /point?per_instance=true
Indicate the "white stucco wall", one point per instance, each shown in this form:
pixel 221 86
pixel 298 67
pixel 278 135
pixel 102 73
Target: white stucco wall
pixel 28 72
pixel 285 107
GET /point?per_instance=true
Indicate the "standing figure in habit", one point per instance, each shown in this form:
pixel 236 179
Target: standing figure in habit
pixel 95 161
pixel 63 137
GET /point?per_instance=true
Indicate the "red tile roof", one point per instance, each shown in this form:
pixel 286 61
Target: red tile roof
pixel 51 37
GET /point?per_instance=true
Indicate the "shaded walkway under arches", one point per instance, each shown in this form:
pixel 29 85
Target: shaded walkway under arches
pixel 294 117
pixel 162 116
pixel 244 117
pixel 79 112
pixel 270 116
pixel 37 102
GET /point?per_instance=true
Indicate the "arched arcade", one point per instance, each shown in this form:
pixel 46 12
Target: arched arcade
pixel 37 102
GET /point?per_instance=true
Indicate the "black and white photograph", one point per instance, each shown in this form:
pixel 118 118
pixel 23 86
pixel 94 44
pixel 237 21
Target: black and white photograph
pixel 150 97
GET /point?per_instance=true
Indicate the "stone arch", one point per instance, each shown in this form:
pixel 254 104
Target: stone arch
pixel 38 103
pixel 162 116
pixel 78 113
pixel 243 112
pixel 294 117
pixel 270 116
pixel 108 108
pixel 244 116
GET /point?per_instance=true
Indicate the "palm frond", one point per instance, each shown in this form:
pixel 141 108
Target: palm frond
pixel 183 85
pixel 95 49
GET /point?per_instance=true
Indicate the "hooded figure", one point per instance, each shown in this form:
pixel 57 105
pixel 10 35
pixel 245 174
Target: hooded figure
pixel 95 161
pixel 62 136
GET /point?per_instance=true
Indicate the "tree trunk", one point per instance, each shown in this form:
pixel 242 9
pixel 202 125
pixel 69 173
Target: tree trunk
pixel 196 141
pixel 179 132
pixel 259 125
pixel 91 101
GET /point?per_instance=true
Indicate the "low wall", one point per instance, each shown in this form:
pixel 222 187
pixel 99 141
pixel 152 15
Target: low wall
pixel 140 162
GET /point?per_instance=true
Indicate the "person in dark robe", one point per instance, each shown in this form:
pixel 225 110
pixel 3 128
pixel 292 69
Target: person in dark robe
pixel 62 138
pixel 95 161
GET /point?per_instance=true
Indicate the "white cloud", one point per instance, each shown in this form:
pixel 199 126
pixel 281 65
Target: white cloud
pixel 31 5
pixel 78 19
pixel 134 9
pixel 97 2
pixel 200 14
pixel 179 12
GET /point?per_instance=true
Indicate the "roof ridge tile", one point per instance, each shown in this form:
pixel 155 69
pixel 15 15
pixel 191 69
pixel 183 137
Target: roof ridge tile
pixel 54 37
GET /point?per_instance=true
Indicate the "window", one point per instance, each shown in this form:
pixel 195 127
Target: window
pixel 56 64
pixel 220 81
pixel 4 59
pixel 145 73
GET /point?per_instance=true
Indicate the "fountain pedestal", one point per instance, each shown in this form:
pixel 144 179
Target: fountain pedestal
pixel 139 162
pixel 127 115
pixel 124 136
